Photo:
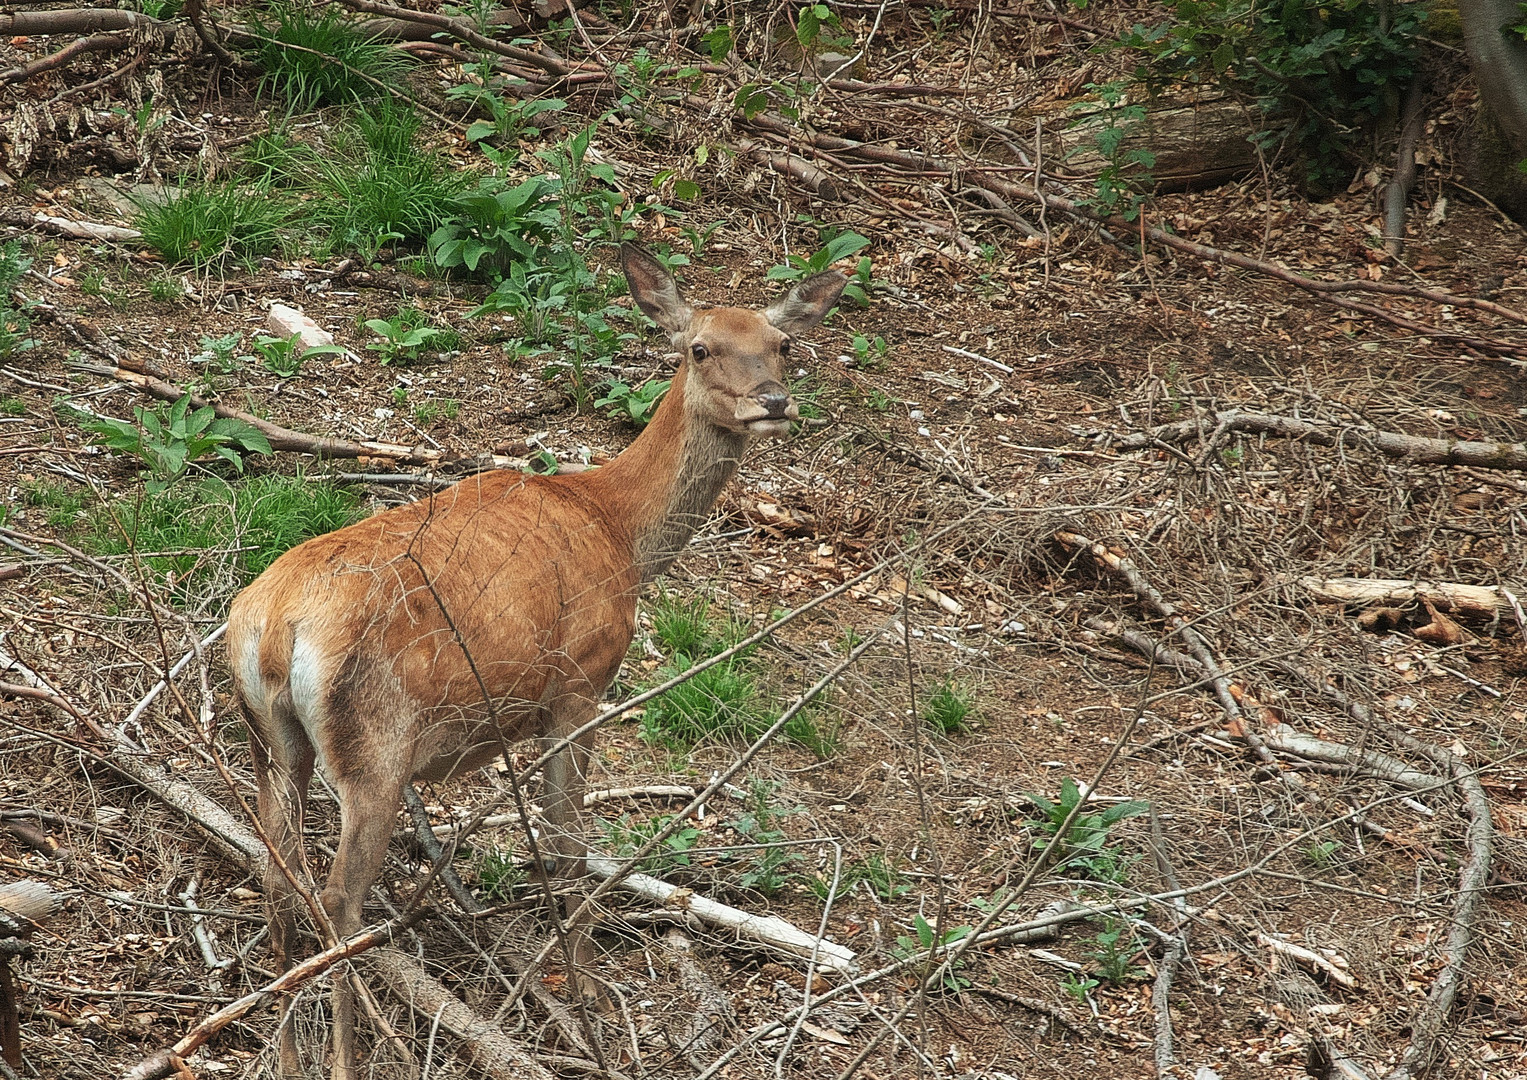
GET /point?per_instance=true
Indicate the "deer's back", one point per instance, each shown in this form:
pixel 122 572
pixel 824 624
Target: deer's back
pixel 517 586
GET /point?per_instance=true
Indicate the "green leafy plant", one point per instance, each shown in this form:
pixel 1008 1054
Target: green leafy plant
pixel 1079 986
pixel 205 222
pixel 312 54
pixel 509 118
pixel 625 836
pixel 284 355
pixel 835 248
pixel 948 709
pixel 818 24
pixel 218 352
pixel 923 939
pixel 1319 73
pixel 1116 947
pixel 1126 175
pixel 638 405
pixel 876 873
pixel 1322 853
pixel 400 343
pixel 760 824
pixel 870 352
pixel 1085 846
pixel 493 227
pixel 170 441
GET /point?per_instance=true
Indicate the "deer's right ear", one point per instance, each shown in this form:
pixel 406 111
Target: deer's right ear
pixel 654 290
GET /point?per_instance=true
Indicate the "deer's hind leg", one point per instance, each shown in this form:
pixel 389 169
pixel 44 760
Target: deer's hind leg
pixel 362 725
pixel 282 757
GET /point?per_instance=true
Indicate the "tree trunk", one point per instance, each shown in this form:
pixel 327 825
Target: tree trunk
pixel 1498 58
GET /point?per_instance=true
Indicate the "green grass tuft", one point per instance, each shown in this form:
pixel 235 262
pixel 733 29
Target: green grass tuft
pixel 680 625
pixel 720 702
pixel 948 709
pixel 313 55
pixel 212 534
pixel 375 185
pixel 204 222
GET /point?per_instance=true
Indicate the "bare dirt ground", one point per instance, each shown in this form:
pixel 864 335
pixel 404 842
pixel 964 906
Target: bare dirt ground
pixel 988 432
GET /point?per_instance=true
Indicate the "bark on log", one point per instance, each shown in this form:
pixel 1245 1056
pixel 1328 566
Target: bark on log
pixel 29 901
pixel 1478 601
pixel 1199 143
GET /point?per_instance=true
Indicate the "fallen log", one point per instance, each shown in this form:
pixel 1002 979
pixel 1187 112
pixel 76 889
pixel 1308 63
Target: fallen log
pixel 23 905
pixel 171 1060
pixel 1477 601
pixel 1417 448
pixel 1199 143
pixel 769 931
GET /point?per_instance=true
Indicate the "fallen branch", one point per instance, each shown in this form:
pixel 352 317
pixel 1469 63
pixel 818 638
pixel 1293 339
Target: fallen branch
pixel 1176 952
pixel 1397 194
pixel 1337 970
pixel 94 43
pixel 169 1061
pixel 487 1045
pixel 1474 878
pixel 74 21
pixel 770 931
pixel 1416 448
pixel 710 1013
pixel 280 438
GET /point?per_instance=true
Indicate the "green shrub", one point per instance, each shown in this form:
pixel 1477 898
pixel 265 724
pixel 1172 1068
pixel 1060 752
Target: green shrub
pixel 1320 73
pixel 494 226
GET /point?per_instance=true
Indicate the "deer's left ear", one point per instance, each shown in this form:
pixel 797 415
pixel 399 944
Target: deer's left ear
pixel 807 304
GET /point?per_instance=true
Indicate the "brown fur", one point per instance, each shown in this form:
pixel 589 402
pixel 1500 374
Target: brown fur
pixel 426 639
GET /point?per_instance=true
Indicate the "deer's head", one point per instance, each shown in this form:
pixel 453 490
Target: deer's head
pixel 736 356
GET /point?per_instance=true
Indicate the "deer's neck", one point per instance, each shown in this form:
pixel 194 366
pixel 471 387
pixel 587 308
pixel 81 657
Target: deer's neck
pixel 664 484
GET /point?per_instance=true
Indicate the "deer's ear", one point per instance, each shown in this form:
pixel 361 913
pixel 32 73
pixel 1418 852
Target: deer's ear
pixel 808 303
pixel 654 289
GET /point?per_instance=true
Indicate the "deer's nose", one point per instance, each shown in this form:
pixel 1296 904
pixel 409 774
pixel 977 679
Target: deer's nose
pixel 774 399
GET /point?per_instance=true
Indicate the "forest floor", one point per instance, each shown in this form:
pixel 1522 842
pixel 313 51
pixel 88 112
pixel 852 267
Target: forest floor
pixel 958 450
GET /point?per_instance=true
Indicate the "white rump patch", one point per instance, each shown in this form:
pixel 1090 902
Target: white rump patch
pixel 250 682
pixel 307 680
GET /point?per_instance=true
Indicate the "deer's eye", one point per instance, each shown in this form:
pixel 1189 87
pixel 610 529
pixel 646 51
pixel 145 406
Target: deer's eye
pixel 784 347
pixel 698 351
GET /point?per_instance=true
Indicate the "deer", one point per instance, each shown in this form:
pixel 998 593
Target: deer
pixel 421 642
